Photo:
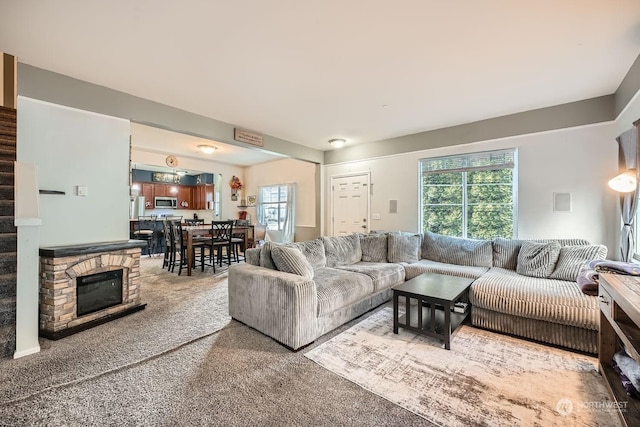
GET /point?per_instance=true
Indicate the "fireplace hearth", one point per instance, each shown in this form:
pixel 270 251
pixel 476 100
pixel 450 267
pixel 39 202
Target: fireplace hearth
pixel 82 286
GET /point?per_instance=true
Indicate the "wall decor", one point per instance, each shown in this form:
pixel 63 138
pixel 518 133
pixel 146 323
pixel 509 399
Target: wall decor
pixel 248 137
pixel 235 185
pixel 163 177
pixel 251 200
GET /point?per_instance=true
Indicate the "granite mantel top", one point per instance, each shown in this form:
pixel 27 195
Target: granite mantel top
pixel 90 248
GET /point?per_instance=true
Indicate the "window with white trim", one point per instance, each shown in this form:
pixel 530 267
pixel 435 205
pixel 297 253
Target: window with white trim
pixel 470 195
pixel 272 204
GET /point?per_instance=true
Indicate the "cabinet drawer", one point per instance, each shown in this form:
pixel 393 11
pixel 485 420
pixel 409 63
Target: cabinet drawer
pixel 606 303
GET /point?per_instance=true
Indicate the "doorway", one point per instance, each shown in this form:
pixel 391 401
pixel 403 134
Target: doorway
pixel 350 204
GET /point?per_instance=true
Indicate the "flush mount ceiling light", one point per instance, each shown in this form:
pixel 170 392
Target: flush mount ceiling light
pixel 207 149
pixel 337 142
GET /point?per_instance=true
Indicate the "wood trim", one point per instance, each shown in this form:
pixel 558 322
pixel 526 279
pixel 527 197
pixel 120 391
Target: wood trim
pixel 9 80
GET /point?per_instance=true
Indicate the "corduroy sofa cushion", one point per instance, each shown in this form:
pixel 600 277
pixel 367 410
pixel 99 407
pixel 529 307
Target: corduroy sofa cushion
pixel 427 266
pixel 374 247
pixel 537 259
pixel 404 247
pixel 342 250
pixel 457 250
pixel 572 258
pixel 291 260
pixel 558 301
pixel 383 275
pixel 313 250
pixel 339 288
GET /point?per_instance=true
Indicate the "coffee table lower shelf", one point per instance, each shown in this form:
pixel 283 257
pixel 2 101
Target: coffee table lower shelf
pixel 423 324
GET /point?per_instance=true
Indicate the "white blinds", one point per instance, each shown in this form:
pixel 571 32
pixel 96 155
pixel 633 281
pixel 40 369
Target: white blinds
pixel 499 159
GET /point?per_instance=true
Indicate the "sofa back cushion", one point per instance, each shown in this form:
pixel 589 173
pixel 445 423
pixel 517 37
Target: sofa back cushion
pixel 252 256
pixel 537 259
pixel 291 260
pixel 457 250
pixel 572 258
pixel 265 255
pixel 404 247
pixel 374 247
pixel 505 251
pixel 313 250
pixel 342 250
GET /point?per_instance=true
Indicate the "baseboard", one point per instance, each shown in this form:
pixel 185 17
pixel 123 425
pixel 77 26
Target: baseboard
pixel 27 352
pixel 70 331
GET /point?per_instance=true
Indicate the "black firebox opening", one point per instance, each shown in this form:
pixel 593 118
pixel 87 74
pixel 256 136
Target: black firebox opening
pixel 98 291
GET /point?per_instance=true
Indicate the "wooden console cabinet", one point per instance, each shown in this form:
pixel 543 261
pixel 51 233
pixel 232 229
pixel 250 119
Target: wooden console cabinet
pixel 619 328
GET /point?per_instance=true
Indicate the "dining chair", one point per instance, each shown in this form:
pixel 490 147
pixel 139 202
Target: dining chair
pixel 180 245
pixel 146 230
pixel 221 240
pixel 189 221
pixel 169 241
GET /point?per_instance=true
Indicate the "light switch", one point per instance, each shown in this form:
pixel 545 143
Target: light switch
pixel 82 190
pixel 375 216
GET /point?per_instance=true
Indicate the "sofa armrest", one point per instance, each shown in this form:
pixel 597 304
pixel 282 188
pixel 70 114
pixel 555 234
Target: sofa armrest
pixel 281 305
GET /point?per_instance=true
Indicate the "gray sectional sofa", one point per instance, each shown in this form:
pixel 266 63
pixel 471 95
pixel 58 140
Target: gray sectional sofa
pixel 297 292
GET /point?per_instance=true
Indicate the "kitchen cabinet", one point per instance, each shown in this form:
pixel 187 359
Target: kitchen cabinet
pixel 146 190
pixel 189 197
pixel 160 190
pixel 202 195
pixel 185 198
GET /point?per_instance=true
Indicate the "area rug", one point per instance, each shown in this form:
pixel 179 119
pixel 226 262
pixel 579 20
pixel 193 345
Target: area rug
pixel 485 379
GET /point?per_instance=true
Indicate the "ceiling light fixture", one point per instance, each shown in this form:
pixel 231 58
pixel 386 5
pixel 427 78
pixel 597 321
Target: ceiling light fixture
pixel 337 142
pixel 207 149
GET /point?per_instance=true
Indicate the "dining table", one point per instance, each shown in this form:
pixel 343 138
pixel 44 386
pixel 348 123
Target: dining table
pixel 192 231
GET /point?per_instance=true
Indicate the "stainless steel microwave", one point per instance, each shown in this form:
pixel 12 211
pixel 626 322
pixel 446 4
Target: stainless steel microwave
pixel 165 202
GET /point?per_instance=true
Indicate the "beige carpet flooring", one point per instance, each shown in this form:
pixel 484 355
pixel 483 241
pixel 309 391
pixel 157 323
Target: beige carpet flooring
pixel 485 379
pixel 183 362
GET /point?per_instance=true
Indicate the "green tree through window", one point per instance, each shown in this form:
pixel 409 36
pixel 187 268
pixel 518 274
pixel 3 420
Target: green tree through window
pixel 471 195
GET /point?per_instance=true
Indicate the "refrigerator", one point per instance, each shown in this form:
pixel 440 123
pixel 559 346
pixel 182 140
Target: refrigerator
pixel 136 207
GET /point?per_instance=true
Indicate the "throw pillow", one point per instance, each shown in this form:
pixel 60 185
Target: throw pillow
pixel 572 258
pixel 342 250
pixel 374 247
pixel 537 259
pixel 291 260
pixel 404 247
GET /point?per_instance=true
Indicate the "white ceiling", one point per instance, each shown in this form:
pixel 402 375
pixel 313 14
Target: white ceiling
pixel 152 139
pixel 311 71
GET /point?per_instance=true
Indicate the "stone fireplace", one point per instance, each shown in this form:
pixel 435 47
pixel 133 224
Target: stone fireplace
pixel 77 285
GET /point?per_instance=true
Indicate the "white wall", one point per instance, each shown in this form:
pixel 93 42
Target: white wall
pixel 228 208
pixel 73 147
pixel 577 160
pixel 287 171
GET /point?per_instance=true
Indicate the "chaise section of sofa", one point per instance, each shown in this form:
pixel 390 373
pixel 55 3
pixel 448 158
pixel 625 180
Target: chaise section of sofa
pixel 548 310
pixel 532 292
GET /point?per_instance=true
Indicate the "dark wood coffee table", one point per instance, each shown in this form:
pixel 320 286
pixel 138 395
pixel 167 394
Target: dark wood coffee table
pixel 433 316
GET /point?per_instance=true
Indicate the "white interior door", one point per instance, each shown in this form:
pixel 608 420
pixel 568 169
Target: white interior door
pixel 350 204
